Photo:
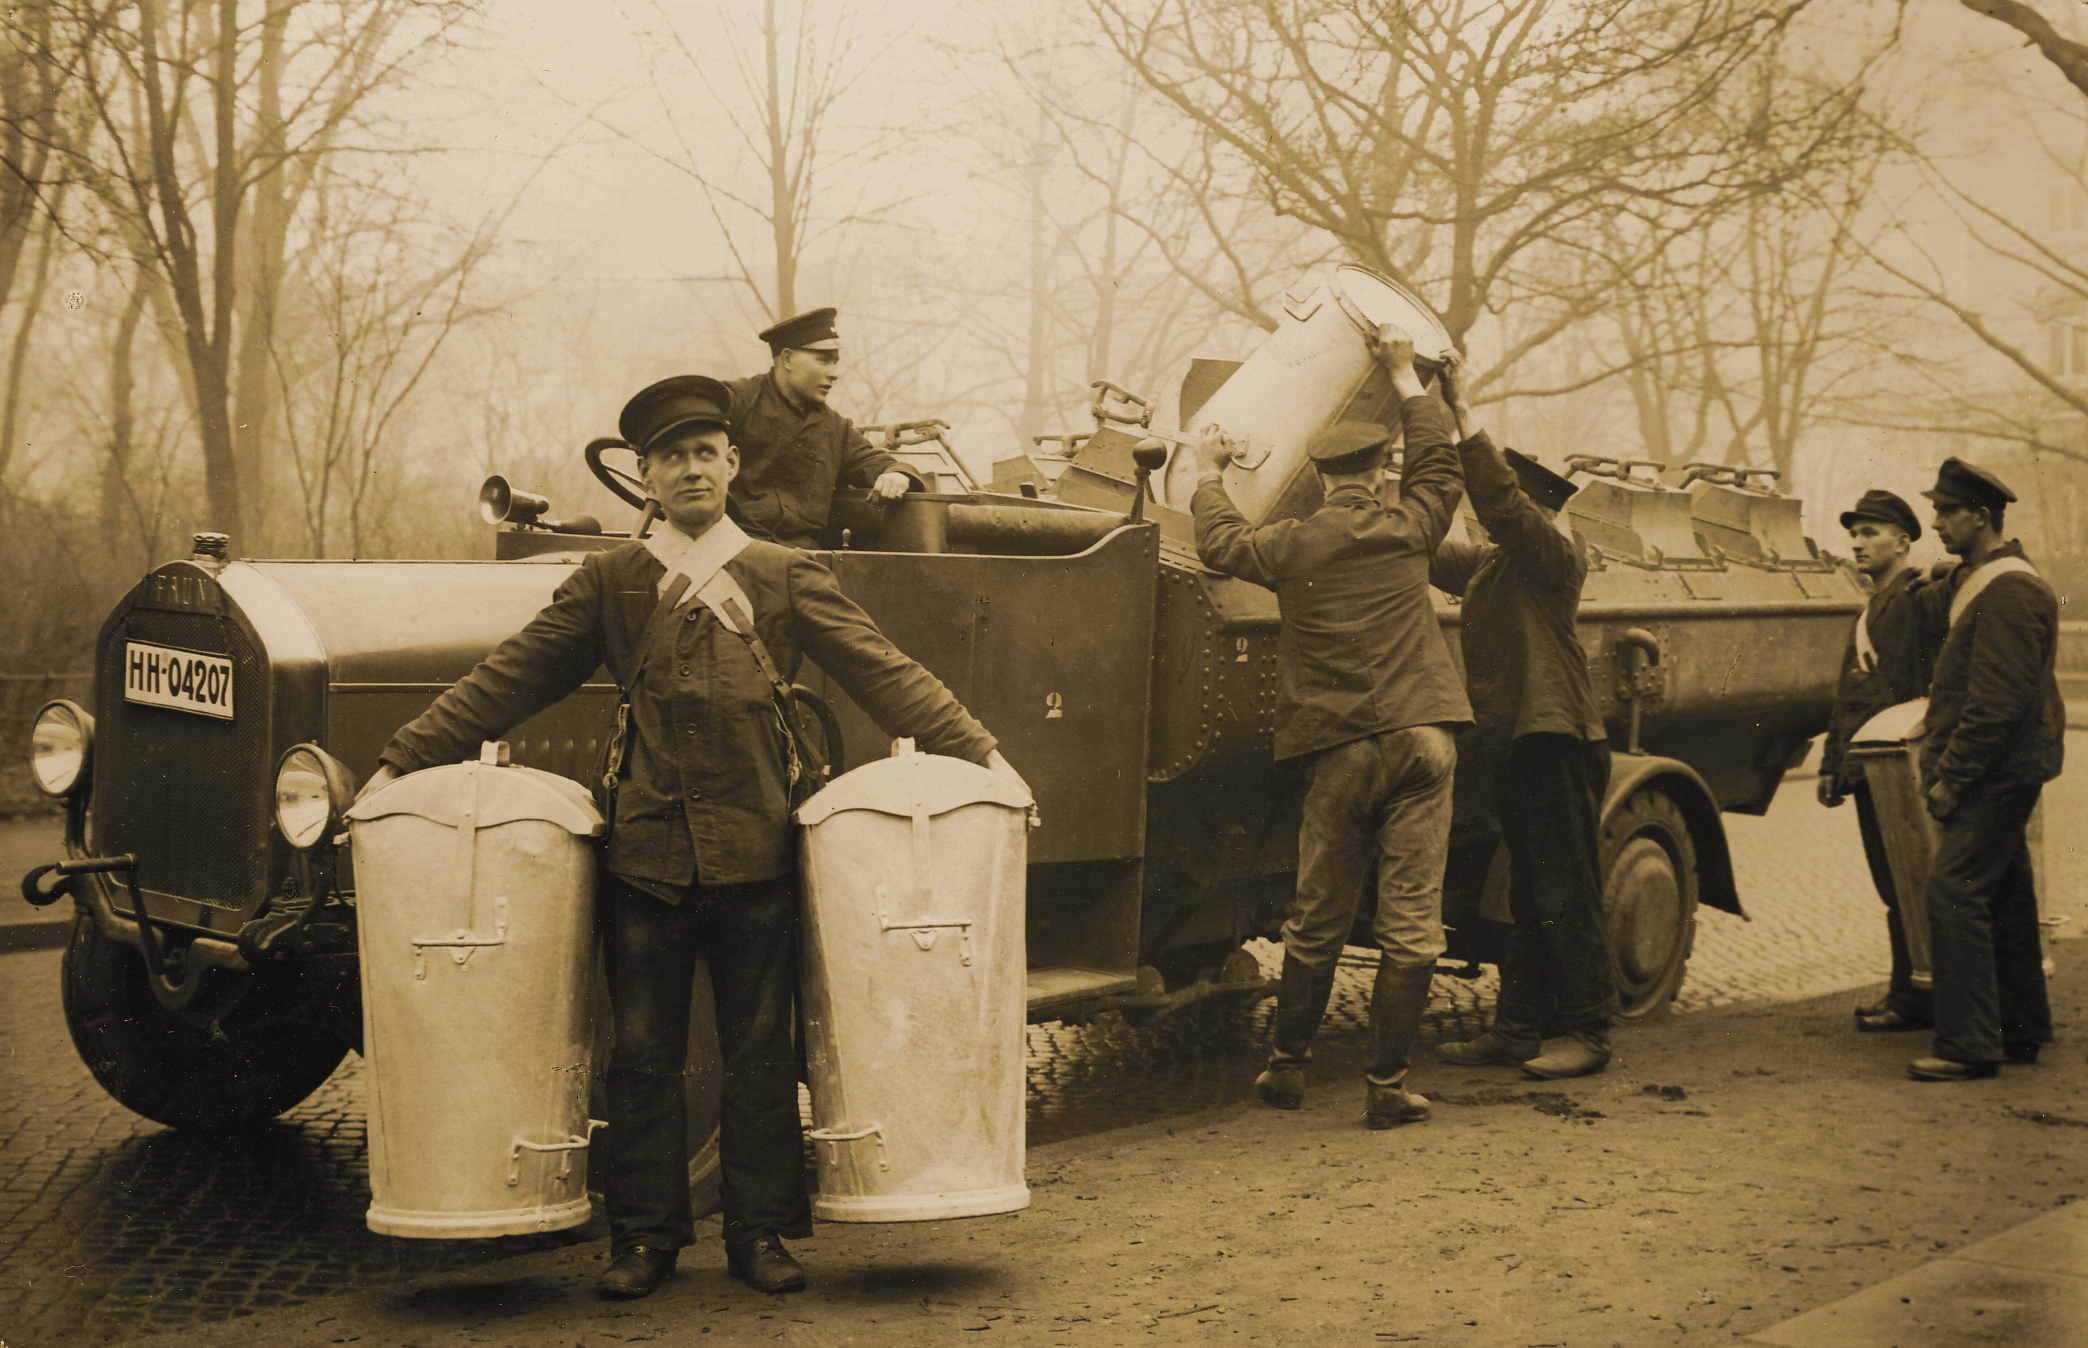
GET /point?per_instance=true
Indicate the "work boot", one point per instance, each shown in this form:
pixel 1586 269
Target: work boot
pixel 635 1272
pixel 1582 1051
pixel 763 1264
pixel 1301 1003
pixel 1509 1043
pixel 1390 1106
pixel 1397 999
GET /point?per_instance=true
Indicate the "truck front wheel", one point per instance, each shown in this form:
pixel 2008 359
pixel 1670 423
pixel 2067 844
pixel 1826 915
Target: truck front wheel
pixel 260 1058
pixel 1649 894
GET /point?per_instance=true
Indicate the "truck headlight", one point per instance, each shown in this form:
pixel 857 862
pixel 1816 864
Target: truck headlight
pixel 312 791
pixel 61 749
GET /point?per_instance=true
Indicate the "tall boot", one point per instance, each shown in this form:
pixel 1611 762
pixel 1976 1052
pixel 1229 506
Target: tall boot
pixel 1301 1003
pixel 1397 1000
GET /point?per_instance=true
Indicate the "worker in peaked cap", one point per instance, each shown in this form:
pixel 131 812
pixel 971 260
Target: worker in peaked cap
pixel 1348 447
pixel 1993 736
pixel 1882 507
pixel 1370 704
pixel 1965 484
pixel 795 449
pixel 684 400
pixel 1541 743
pixel 1890 655
pixel 1539 483
pixel 704 629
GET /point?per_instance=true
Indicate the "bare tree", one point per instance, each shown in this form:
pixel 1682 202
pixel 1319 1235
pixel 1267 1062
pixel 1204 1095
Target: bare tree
pixel 1464 146
pixel 2069 56
pixel 793 69
pixel 208 116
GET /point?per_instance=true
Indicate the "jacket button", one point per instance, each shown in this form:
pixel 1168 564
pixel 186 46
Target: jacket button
pixel 685 669
pixel 695 794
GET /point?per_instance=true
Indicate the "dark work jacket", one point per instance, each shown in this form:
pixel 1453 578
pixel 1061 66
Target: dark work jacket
pixel 1995 718
pixel 1524 668
pixel 705 799
pixel 791 462
pixel 1906 647
pixel 1360 651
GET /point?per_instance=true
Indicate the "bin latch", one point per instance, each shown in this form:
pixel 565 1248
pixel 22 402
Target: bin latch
pixel 926 929
pixel 874 1130
pixel 565 1148
pixel 461 942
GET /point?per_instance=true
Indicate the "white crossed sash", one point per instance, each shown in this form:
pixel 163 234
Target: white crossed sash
pixel 703 560
pixel 1976 583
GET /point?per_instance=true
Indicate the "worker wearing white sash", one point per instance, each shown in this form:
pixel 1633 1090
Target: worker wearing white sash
pixel 1889 658
pixel 1995 734
pixel 703 629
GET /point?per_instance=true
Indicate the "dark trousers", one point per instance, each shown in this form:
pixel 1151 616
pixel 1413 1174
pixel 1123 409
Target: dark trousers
pixel 1549 797
pixel 747 936
pixel 1982 902
pixel 1901 995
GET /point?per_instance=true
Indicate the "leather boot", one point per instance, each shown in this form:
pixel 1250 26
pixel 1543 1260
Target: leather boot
pixel 1510 1042
pixel 1301 1003
pixel 1397 1000
pixel 1583 1050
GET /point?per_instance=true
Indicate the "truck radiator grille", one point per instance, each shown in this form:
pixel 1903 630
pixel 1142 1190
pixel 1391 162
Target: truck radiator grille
pixel 189 794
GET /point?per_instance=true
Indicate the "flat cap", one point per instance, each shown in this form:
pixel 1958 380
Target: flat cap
pixel 1346 446
pixel 813 331
pixel 1963 484
pixel 1884 508
pixel 1539 483
pixel 681 401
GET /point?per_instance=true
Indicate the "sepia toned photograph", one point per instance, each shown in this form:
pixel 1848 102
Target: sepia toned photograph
pixel 1322 672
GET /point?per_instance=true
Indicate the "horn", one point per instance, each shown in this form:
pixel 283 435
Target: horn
pixel 500 503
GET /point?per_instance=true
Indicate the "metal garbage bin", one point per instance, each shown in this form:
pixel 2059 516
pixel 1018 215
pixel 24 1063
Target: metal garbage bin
pixel 475 890
pixel 1889 748
pixel 913 987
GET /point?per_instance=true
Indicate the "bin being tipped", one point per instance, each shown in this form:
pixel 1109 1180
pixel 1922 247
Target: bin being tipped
pixel 914 992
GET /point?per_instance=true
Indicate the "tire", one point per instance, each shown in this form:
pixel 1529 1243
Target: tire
pixel 261 1057
pixel 1649 898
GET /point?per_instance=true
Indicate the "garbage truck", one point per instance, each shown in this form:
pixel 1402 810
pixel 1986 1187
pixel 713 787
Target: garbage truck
pixel 212 975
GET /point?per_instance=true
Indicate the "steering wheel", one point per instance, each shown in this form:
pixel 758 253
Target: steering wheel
pixel 624 486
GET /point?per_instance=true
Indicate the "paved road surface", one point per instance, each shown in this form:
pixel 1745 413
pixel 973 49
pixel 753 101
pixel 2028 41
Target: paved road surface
pixel 111 1226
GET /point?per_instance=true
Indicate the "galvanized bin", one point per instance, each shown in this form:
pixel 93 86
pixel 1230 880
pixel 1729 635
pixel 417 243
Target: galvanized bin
pixel 475 890
pixel 914 989
pixel 1889 748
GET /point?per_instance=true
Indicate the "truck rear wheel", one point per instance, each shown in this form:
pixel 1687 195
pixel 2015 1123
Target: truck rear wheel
pixel 260 1058
pixel 1649 894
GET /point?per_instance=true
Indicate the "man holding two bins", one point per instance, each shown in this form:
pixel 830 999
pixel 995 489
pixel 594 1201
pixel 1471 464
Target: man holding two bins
pixel 703 629
pixel 1888 661
pixel 1370 706
pixel 1540 735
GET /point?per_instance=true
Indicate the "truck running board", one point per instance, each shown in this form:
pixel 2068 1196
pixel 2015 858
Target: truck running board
pixel 1058 987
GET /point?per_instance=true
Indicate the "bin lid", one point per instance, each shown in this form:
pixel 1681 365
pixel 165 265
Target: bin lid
pixel 910 783
pixel 1894 725
pixel 503 795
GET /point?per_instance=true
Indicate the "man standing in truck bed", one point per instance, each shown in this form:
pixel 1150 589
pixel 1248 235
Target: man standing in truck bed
pixel 1370 707
pixel 1542 739
pixel 794 447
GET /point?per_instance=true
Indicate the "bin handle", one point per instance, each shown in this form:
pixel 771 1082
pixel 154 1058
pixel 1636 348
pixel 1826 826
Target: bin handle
pixel 875 1130
pixel 461 942
pixel 924 928
pixel 566 1148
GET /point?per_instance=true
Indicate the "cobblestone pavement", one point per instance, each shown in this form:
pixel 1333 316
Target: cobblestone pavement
pixel 112 1227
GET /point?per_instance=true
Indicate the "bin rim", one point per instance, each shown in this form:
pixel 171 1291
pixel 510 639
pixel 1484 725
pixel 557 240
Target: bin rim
pixel 1893 726
pixel 913 783
pixel 505 795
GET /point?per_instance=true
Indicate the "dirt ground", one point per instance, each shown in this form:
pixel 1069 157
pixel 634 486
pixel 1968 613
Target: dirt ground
pixel 1732 1169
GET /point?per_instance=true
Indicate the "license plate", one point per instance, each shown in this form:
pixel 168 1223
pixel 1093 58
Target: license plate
pixel 162 676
